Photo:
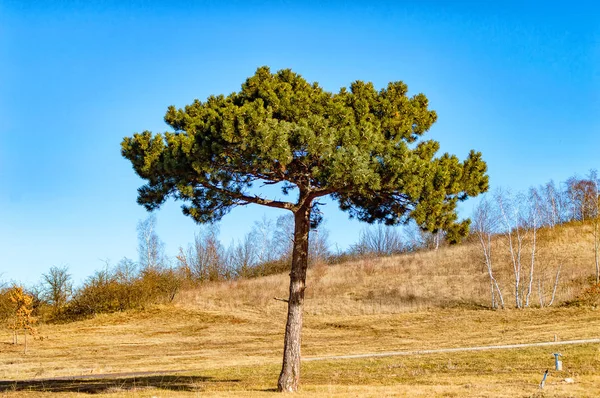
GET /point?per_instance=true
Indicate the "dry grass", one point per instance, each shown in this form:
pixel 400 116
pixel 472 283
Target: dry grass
pixel 228 336
pixel 448 278
pixel 498 374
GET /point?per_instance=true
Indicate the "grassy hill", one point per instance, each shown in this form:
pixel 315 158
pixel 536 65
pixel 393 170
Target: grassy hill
pixel 450 277
pixel 227 337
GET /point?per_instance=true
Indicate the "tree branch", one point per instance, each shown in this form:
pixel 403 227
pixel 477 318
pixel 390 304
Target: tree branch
pixel 249 198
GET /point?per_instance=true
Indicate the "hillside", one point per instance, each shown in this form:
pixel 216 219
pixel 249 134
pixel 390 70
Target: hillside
pixel 452 276
pixel 227 336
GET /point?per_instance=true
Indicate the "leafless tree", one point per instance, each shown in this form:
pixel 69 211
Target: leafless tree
pixel 554 205
pixel 205 258
pixel 150 247
pixel 263 239
pixel 126 271
pixel 318 246
pixel 243 256
pixel 379 240
pixel 533 221
pixel 582 195
pixel 555 285
pixel 594 207
pixel 57 286
pixel 485 225
pixel 512 223
pixel 282 241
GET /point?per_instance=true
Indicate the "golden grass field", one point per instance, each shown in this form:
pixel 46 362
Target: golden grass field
pixel 226 339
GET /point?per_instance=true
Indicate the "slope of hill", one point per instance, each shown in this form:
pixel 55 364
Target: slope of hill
pixel 453 276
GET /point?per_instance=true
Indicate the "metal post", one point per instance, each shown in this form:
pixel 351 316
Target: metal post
pixel 557 363
pixel 544 379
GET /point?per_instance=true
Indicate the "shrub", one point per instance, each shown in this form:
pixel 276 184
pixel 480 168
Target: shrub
pixel 108 291
pixel 589 297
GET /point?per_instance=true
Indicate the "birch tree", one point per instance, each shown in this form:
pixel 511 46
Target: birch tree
pixel 485 226
pixel 534 204
pixel 510 209
pixel 595 217
pixel 150 247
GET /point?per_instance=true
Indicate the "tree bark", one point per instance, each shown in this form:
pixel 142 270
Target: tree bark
pixel 290 372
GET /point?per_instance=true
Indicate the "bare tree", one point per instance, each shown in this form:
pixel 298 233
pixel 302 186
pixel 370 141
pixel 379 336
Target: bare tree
pixel 263 239
pixel 57 287
pixel 150 247
pixel 534 213
pixel 205 257
pixel 243 256
pixel 554 205
pixel 126 271
pixel 318 246
pixel 555 285
pixel 512 220
pixel 582 195
pixel 282 241
pixel 485 225
pixel 379 240
pixel 594 206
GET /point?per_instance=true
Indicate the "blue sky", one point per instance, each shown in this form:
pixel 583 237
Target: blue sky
pixel 520 83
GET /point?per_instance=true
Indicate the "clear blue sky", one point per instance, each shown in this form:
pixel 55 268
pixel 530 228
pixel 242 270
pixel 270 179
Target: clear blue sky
pixel 519 82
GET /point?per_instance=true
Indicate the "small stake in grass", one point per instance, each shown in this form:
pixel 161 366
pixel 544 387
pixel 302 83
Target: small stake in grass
pixel 544 380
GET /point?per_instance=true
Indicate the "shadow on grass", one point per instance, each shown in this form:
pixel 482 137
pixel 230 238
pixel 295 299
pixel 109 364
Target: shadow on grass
pixel 112 383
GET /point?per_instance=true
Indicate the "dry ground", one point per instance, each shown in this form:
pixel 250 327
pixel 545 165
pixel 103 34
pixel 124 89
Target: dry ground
pixel 227 338
pixel 239 353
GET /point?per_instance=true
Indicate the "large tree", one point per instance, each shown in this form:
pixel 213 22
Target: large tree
pixel 359 146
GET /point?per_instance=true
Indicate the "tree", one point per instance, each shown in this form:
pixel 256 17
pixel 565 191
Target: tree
pixel 379 241
pixel 514 225
pixel 359 146
pixel 207 255
pixel 264 234
pixel 282 241
pixel 150 247
pixel 22 318
pixel 485 225
pixel 594 207
pixel 583 197
pixel 57 287
pixel 533 222
pixel 242 256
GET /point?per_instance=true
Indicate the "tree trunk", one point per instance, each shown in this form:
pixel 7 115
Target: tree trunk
pixel 290 371
pixel 500 297
pixel 596 244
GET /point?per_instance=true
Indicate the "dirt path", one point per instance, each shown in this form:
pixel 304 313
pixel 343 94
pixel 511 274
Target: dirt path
pixel 444 350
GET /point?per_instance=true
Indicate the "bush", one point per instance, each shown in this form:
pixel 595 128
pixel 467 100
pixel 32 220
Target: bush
pixel 589 297
pixel 7 307
pixel 108 291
